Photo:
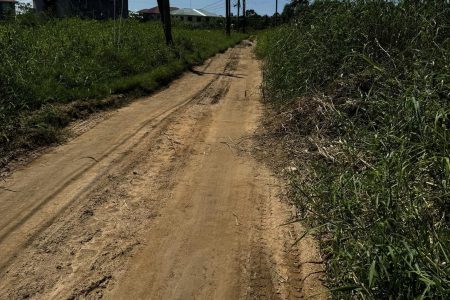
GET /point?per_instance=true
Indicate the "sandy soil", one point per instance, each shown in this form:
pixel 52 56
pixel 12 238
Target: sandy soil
pixel 162 199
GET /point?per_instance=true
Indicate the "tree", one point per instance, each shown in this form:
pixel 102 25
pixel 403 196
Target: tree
pixel 251 13
pixel 164 11
pixel 291 10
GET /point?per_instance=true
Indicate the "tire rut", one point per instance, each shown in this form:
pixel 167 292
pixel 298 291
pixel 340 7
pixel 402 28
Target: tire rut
pixel 178 207
pixel 72 241
pixel 261 280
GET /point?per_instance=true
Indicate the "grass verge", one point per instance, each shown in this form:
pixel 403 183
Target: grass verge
pixel 54 71
pixel 361 93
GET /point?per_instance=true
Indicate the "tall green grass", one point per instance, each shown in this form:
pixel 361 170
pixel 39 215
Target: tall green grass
pixel 52 69
pixel 362 89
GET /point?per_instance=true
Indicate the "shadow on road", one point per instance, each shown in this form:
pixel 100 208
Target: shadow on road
pixel 200 73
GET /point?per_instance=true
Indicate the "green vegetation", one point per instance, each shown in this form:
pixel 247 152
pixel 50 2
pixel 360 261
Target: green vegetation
pixel 362 93
pixel 52 71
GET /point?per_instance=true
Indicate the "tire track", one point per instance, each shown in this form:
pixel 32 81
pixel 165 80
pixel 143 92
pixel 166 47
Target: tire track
pixel 47 242
pixel 178 210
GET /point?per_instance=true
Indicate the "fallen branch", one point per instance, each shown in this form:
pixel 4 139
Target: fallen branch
pixel 6 189
pixel 90 157
pixel 236 219
pixel 313 273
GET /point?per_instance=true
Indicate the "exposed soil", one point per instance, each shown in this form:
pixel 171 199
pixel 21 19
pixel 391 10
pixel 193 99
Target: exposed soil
pixel 161 199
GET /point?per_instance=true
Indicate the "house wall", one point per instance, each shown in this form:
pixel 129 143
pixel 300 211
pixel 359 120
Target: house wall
pixel 195 19
pixel 151 17
pixel 96 9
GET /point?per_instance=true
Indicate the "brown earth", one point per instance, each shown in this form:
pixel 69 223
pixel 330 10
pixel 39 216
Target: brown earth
pixel 162 199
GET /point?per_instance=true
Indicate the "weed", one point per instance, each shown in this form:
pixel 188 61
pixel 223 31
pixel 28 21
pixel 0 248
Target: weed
pixel 48 63
pixel 363 91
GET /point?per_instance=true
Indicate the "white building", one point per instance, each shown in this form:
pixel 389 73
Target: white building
pixel 194 15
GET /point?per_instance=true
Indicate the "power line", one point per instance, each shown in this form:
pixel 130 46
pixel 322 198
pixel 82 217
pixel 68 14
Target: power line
pixel 212 4
pixel 215 6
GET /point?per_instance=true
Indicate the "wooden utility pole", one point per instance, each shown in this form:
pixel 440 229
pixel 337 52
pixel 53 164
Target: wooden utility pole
pixel 276 12
pixel 164 11
pixel 228 16
pixel 244 16
pixel 238 13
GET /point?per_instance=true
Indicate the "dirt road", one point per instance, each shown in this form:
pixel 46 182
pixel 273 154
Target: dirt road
pixel 161 200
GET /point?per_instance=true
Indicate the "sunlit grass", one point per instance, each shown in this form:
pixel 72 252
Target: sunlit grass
pixel 46 63
pixel 364 89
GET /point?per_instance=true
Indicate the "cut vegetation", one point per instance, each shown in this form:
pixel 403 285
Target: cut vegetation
pixel 53 71
pixel 360 92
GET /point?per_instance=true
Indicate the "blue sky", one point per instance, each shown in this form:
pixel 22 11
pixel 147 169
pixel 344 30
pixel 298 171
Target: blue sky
pixel 217 6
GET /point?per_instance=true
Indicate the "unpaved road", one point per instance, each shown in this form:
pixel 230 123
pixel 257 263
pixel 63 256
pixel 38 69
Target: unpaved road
pixel 162 200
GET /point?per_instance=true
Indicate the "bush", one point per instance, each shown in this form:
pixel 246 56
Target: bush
pixel 371 82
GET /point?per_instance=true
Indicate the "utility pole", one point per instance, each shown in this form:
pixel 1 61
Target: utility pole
pixel 276 12
pixel 164 11
pixel 238 12
pixel 244 16
pixel 228 16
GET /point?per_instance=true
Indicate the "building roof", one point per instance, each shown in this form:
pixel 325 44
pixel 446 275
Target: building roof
pixel 193 12
pixel 153 10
